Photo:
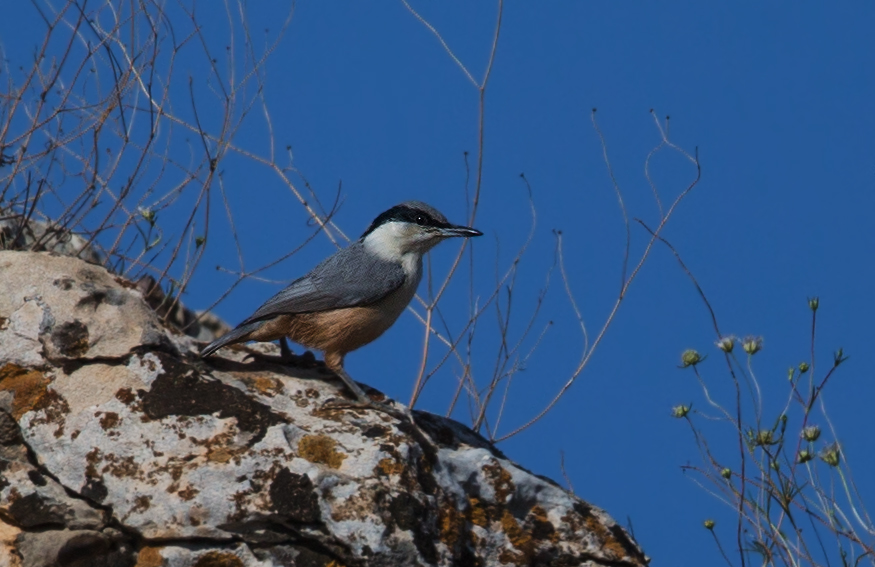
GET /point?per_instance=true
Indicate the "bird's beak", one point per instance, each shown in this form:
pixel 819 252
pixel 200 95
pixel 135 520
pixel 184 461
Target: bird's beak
pixel 463 231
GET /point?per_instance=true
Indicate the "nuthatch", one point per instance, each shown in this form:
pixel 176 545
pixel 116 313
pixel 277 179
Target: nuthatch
pixel 355 294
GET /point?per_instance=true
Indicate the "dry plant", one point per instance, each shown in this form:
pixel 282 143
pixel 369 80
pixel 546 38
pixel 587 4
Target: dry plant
pixel 487 398
pixel 790 489
pixel 114 135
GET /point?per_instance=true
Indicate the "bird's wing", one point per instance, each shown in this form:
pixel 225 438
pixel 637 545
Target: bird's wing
pixel 347 278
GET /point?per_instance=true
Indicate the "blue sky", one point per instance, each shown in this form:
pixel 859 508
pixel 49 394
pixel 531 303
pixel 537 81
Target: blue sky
pixel 777 98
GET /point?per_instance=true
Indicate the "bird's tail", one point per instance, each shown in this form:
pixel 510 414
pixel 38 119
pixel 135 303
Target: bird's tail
pixel 238 335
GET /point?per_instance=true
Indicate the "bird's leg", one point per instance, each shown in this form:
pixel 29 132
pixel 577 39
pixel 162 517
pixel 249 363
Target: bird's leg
pixel 364 401
pixel 335 363
pixel 359 394
pixel 285 351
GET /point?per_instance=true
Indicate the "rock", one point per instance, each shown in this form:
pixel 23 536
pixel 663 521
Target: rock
pixel 9 556
pixel 18 232
pixel 34 500
pixel 60 308
pixel 73 548
pixel 204 327
pixel 145 454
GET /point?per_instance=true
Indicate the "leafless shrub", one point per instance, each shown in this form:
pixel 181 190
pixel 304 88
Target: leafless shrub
pixel 487 397
pixel 788 482
pixel 118 129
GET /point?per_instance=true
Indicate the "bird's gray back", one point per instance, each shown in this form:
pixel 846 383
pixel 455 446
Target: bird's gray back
pixel 348 278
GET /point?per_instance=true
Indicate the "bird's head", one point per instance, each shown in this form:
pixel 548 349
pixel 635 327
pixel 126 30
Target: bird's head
pixel 412 226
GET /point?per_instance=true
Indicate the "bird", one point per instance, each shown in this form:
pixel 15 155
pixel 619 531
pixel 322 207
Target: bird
pixel 353 296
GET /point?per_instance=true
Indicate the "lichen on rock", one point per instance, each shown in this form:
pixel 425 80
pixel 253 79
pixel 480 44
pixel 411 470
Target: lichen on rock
pixel 119 445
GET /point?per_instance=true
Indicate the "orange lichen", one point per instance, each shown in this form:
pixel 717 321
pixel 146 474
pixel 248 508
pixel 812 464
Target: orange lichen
pixel 608 542
pixel 450 523
pixel 521 540
pixel 264 385
pixel 539 513
pixel 477 513
pixel 542 527
pixel 220 448
pixel 517 536
pixel 507 556
pixel 390 466
pixel 500 480
pixel 320 449
pixel 220 454
pixel 27 386
pixel 612 540
pixel 149 557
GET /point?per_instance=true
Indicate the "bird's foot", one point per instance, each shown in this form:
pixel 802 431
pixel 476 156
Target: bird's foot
pixel 285 358
pixel 363 401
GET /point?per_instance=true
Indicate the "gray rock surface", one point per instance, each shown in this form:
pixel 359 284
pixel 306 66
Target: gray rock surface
pixel 120 447
pixel 20 233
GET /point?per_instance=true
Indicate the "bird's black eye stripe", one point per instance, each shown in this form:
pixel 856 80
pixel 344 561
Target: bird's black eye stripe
pixel 406 214
pixel 417 217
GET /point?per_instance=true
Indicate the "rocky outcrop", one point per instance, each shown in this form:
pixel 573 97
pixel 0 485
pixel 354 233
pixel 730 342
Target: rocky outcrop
pixel 24 234
pixel 120 447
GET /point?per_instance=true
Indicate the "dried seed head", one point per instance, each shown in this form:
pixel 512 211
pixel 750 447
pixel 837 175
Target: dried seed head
pixel 811 433
pixel 831 455
pixel 690 358
pixel 764 437
pixel 752 345
pixel 680 411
